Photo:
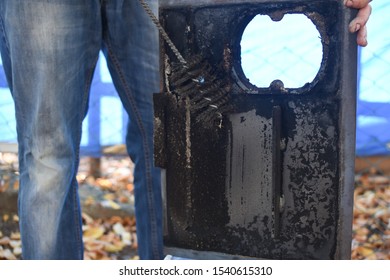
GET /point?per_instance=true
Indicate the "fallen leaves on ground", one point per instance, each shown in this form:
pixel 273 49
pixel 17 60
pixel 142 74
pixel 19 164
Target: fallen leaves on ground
pixel 115 185
pixel 104 239
pixel 371 223
pixel 116 174
pixel 10 243
pixel 9 172
pixel 115 237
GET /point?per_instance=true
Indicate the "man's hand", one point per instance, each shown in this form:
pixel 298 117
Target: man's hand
pixel 358 24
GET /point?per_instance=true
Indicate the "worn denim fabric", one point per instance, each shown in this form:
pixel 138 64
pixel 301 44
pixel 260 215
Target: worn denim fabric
pixel 49 50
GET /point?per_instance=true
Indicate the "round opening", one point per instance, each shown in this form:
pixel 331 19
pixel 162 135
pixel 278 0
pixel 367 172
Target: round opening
pixel 289 50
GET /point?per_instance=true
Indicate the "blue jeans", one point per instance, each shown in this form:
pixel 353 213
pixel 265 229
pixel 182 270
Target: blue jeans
pixel 49 50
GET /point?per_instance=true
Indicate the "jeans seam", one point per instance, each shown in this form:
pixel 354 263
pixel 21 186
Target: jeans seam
pixel 149 181
pixel 77 210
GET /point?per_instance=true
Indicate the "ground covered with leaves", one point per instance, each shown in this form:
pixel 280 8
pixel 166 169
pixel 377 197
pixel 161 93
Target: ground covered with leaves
pixel 109 226
pixel 371 217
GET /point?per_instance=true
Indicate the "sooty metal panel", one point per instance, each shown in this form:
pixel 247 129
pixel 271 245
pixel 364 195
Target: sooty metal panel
pixel 272 177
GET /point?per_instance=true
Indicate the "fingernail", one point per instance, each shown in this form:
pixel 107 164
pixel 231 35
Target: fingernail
pixel 348 3
pixel 357 28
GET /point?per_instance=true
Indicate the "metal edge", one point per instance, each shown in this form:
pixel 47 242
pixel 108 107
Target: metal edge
pixel 347 138
pixel 202 255
pixel 192 3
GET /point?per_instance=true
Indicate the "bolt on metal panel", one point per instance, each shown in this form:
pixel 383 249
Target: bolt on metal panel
pixel 273 176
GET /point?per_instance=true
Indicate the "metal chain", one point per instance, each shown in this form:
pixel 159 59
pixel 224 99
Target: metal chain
pixel 163 32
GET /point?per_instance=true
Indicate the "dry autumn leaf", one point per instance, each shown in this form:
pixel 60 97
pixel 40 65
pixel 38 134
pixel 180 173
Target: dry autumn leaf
pixel 109 196
pixel 7 254
pixel 93 245
pixel 88 219
pixel 90 200
pixel 93 232
pixel 123 199
pixel 103 183
pixel 130 187
pixel 17 251
pixel 114 248
pixel 116 219
pixel 15 236
pixel 118 228
pixel 365 252
pixel 15 243
pixel 5 240
pixel 110 204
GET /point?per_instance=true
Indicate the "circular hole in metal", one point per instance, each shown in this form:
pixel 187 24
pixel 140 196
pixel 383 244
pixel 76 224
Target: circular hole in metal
pixel 289 50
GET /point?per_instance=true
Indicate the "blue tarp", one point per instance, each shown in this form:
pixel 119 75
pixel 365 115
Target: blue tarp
pixel 373 110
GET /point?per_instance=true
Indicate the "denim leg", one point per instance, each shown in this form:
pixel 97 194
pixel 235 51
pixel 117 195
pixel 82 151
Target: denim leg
pixel 49 50
pixel 131 47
